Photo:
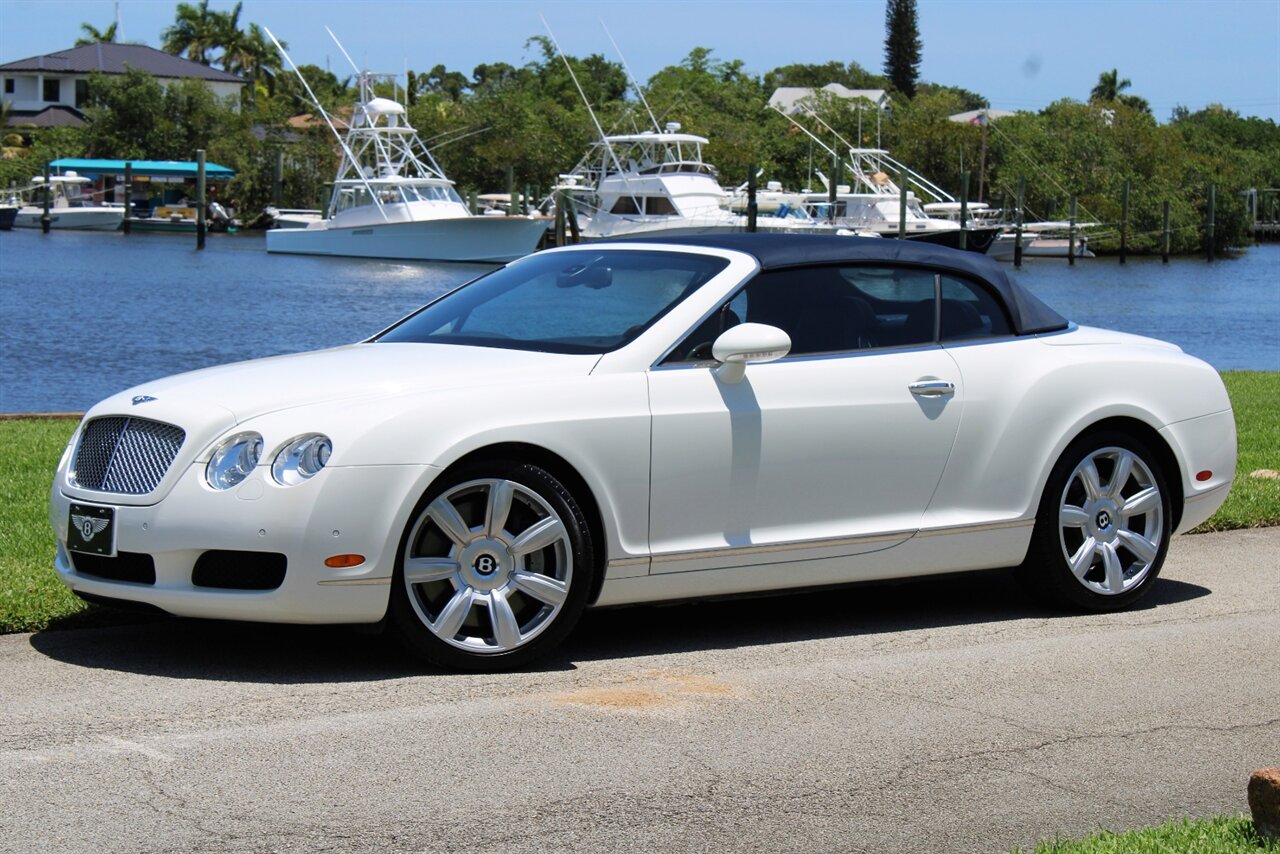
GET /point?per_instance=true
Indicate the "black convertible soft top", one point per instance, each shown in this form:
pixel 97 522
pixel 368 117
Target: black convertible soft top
pixel 780 251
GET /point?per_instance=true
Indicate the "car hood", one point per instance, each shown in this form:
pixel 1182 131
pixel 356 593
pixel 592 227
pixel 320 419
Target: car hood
pixel 358 371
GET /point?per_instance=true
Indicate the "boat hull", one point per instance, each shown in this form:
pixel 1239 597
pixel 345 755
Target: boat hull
pixel 472 238
pixel 1039 247
pixel 81 219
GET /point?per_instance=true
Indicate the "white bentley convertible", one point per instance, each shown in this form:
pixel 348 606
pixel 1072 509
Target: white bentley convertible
pixel 642 421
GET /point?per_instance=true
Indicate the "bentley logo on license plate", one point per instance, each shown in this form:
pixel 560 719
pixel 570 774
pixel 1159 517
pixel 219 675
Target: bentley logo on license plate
pixel 92 530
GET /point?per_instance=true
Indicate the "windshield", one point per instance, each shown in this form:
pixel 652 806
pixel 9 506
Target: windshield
pixel 565 302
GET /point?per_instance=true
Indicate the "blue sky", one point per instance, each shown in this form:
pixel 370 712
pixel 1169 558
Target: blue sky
pixel 1022 54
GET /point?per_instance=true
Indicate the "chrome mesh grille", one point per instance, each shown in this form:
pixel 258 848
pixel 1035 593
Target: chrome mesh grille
pixel 127 456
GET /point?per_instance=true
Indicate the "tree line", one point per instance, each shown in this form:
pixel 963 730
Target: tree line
pixel 530 121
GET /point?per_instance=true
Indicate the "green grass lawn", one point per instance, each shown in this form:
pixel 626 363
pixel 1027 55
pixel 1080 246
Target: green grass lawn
pixel 31 598
pixel 1253 502
pixel 1221 835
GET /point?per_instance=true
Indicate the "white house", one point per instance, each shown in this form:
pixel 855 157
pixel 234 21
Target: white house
pixel 50 89
pixel 788 98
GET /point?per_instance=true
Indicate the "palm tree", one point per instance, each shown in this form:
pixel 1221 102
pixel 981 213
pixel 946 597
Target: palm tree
pixel 1109 86
pixel 93 36
pixel 195 31
pixel 230 37
pixel 252 54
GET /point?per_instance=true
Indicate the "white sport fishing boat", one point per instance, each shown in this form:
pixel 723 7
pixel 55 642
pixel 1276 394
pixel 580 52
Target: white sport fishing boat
pixel 391 199
pixel 656 182
pixel 69 207
pixel 874 203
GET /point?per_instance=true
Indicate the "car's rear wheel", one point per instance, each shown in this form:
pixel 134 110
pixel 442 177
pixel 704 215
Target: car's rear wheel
pixel 494 568
pixel 1103 527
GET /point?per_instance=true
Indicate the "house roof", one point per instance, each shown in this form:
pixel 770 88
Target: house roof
pixel 53 116
pixel 978 117
pixel 111 58
pixel 785 98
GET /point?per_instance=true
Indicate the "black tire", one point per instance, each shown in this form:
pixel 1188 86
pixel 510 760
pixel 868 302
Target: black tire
pixel 1047 570
pixel 422 614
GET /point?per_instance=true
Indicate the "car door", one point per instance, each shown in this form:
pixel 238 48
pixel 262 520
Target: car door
pixel 833 450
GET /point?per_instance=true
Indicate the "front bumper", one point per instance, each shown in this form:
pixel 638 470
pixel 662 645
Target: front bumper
pixel 343 510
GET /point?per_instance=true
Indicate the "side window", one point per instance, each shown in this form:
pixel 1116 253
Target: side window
pixel 901 300
pixel 827 310
pixel 969 311
pixel 624 205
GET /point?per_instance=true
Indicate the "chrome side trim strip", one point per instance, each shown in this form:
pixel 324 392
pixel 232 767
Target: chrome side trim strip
pixel 738 551
pixel 627 561
pixel 975 529
pixel 834 542
pixel 355 582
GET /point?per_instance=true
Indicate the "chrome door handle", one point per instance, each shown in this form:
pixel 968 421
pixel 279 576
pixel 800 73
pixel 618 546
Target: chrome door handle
pixel 931 388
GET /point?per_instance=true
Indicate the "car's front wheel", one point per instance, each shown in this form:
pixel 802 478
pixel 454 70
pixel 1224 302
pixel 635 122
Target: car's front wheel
pixel 1103 527
pixel 494 568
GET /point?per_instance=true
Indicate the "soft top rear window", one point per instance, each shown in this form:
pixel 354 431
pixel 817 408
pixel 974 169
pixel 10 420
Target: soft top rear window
pixel 561 302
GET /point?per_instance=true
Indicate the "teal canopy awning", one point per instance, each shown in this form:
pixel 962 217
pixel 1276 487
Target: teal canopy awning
pixel 152 168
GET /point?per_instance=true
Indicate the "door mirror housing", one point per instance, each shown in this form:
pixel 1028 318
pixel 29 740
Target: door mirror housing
pixel 747 343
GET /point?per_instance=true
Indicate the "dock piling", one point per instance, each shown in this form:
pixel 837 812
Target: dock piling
pixel 1071 233
pixel 561 196
pixel 128 196
pixel 1209 229
pixel 964 210
pixel 753 209
pixel 571 217
pixel 831 188
pixel 200 203
pixel 1017 228
pixel 1124 220
pixel 277 179
pixel 1164 244
pixel 45 219
pixel 902 204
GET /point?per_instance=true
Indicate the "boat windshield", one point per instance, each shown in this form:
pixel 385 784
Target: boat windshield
pixel 358 196
pixel 562 302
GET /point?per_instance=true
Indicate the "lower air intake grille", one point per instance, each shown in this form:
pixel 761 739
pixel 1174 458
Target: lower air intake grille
pixel 127 456
pixel 234 570
pixel 125 566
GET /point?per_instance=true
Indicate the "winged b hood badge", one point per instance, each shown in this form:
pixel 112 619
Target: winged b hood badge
pixel 141 398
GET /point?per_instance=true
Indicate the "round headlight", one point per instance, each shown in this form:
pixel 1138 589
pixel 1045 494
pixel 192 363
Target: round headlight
pixel 301 459
pixel 233 460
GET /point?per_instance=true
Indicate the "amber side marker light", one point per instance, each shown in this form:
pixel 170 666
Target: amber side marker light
pixel 1204 475
pixel 344 561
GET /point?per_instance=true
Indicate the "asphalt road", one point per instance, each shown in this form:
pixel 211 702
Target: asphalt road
pixel 943 715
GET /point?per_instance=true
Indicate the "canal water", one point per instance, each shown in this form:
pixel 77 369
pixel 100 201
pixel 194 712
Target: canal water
pixel 83 315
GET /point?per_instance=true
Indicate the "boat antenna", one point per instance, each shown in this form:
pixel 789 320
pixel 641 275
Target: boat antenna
pixel 635 84
pixel 599 129
pixel 328 121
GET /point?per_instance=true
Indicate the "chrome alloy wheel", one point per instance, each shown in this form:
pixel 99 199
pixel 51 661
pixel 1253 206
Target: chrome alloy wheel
pixel 1111 521
pixel 488 566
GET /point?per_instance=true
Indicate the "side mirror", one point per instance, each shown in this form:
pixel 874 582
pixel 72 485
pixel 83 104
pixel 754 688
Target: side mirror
pixel 747 343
